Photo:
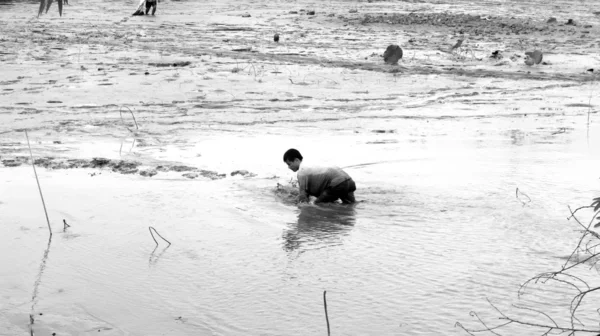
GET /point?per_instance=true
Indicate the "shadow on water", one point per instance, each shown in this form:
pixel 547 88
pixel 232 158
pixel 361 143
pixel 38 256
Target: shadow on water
pixel 319 226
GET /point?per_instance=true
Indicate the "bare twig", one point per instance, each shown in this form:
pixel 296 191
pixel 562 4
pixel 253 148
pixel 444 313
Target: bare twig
pixel 121 114
pixel 65 225
pixel 38 184
pixel 563 276
pixel 326 316
pixel 517 193
pixel 150 228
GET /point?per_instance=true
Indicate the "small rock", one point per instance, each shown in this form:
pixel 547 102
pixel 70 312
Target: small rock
pixel 293 12
pixel 56 142
pixel 246 15
pixel 497 55
pixel 240 172
pixel 146 73
pixel 353 11
pixel 310 12
pixel 551 20
pixel 571 22
pixel 392 54
pixel 533 57
pixel 276 37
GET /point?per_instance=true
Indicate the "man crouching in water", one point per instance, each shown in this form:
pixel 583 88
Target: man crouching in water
pixel 326 183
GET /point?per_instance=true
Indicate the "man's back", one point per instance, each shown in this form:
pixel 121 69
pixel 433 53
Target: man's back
pixel 313 180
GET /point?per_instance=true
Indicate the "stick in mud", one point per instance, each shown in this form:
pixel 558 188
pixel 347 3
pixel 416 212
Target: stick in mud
pixel 517 192
pixel 121 114
pixel 326 316
pixel 65 225
pixel 38 184
pixel 150 228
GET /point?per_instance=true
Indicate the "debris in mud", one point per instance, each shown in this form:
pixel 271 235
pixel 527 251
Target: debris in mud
pixel 175 64
pixel 310 12
pixel 11 163
pixel 246 15
pixel 552 20
pixel 117 166
pixel 571 22
pixel 392 54
pixel 471 24
pixel 148 172
pixel 190 175
pixel 177 168
pixel 242 173
pixel 497 54
pixel 242 49
pixel 457 45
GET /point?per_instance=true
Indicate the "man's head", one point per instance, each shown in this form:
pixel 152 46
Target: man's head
pixel 292 158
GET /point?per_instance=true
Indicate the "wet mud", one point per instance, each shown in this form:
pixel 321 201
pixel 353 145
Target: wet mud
pixel 117 166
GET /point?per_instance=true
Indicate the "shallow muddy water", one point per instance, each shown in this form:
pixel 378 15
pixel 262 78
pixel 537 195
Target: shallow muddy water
pixel 437 230
pixel 465 168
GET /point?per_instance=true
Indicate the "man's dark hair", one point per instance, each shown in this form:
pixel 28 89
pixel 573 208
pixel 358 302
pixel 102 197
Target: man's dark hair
pixel 291 155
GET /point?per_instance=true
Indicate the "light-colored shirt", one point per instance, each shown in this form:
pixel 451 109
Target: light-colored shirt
pixel 312 180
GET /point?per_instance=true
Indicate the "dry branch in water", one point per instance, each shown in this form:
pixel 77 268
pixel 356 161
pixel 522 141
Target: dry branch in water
pixel 326 316
pixel 121 114
pixel 584 256
pixel 517 193
pixel 152 234
pixel 38 183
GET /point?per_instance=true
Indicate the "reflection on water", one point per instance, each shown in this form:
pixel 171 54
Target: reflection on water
pixel 319 226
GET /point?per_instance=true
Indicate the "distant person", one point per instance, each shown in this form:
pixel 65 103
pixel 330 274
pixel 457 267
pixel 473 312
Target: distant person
pixel 151 4
pixel 327 184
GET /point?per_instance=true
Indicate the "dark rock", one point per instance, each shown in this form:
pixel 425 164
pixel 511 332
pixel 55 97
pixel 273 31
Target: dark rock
pixel 533 57
pixel 246 15
pixel 310 12
pixel 276 37
pixel 571 22
pixel 551 20
pixel 497 54
pixel 240 172
pixel 392 54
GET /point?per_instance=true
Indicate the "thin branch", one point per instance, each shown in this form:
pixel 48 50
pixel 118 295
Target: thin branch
pixel 150 228
pixel 121 114
pixel 38 184
pixel 517 192
pixel 539 312
pixel 326 316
